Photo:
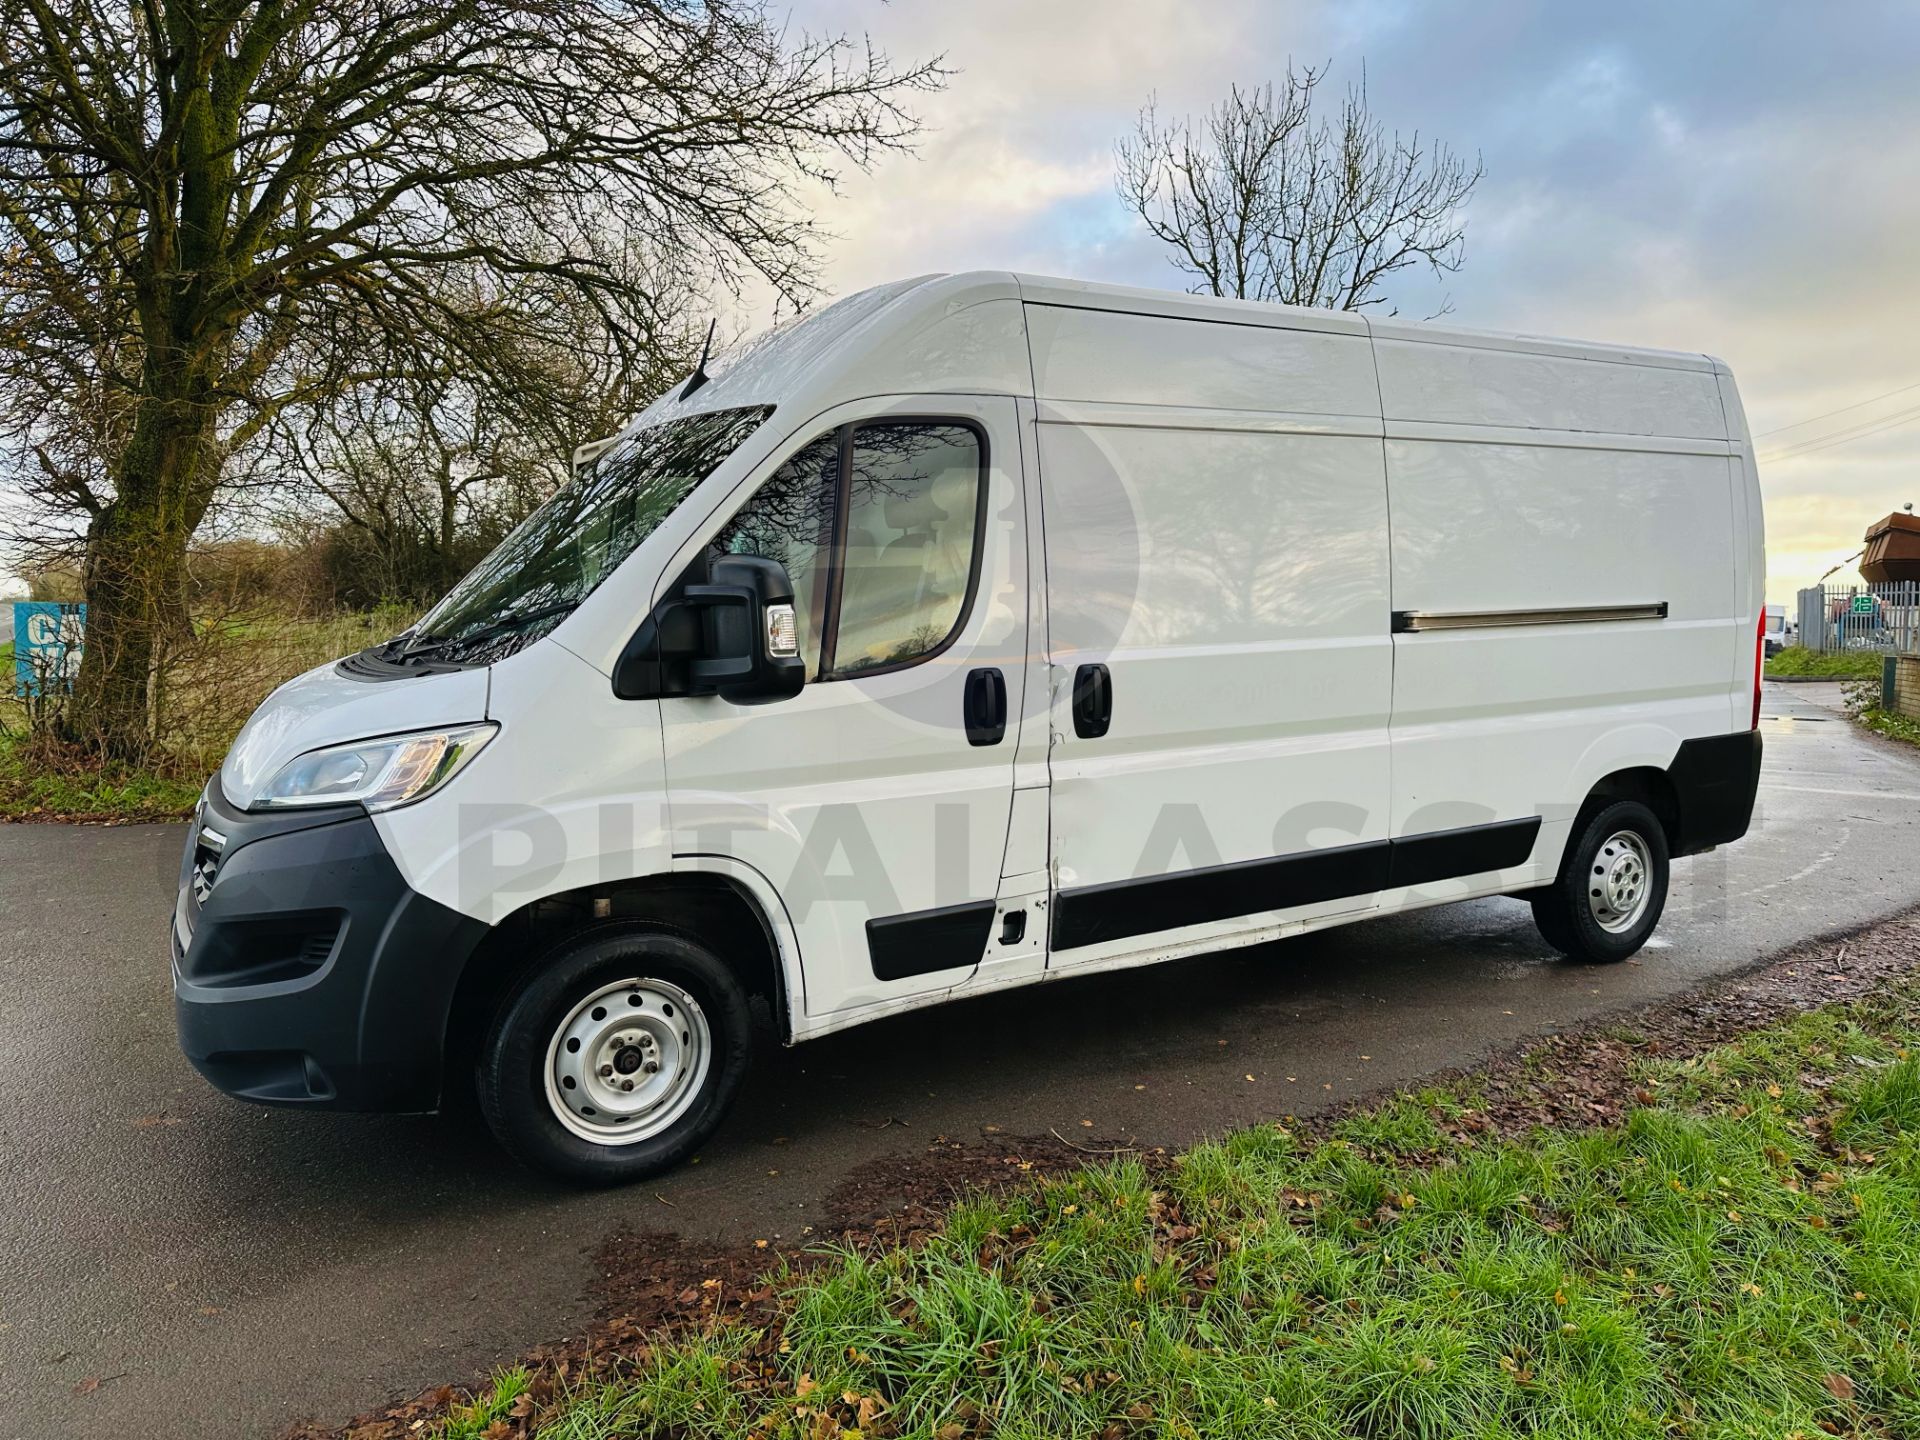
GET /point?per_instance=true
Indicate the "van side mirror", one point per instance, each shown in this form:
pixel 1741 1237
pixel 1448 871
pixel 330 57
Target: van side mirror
pixel 733 634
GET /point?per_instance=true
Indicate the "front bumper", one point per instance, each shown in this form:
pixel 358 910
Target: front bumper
pixel 305 970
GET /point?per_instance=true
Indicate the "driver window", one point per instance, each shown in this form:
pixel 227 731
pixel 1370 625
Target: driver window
pixel 912 512
pixel 790 519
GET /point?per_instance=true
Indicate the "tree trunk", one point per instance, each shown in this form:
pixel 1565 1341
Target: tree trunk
pixel 134 576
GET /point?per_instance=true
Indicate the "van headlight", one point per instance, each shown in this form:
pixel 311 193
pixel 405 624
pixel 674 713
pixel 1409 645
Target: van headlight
pixel 379 774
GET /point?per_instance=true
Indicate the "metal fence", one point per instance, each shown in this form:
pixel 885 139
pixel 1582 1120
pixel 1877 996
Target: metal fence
pixel 1861 617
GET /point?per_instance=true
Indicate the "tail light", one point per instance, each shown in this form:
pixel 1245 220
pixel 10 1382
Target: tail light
pixel 1759 664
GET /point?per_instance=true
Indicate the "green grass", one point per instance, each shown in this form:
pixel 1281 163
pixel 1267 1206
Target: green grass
pixel 1890 723
pixel 29 790
pixel 1799 661
pixel 1742 1258
pixel 471 1421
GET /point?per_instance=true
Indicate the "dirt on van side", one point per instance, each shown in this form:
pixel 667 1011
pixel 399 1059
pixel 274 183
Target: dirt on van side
pixel 653 1283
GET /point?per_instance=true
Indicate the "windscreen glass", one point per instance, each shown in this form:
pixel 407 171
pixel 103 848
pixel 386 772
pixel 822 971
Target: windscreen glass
pixel 559 554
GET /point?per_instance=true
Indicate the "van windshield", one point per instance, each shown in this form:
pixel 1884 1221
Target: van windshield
pixel 557 556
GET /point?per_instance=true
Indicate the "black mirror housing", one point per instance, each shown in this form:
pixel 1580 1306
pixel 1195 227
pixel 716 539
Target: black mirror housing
pixel 721 633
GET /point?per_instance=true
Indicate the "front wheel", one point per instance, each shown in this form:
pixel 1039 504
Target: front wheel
pixel 1611 888
pixel 616 1056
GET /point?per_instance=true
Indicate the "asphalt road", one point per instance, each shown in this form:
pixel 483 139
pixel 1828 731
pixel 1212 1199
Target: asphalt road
pixel 223 1270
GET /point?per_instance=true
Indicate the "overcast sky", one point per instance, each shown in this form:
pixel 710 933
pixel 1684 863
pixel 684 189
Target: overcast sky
pixel 1737 178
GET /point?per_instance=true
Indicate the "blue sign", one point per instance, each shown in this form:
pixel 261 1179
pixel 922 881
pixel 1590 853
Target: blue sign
pixel 46 645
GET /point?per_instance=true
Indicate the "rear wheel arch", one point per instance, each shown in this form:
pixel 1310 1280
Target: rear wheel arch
pixel 1648 784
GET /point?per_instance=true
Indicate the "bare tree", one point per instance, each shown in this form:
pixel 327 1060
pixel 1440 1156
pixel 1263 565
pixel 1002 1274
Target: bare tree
pixel 428 466
pixel 215 212
pixel 1264 201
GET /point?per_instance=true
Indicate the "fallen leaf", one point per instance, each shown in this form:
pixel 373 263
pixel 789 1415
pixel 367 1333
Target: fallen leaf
pixel 1840 1385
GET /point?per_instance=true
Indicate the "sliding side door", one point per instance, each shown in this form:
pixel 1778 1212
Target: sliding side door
pixel 1216 547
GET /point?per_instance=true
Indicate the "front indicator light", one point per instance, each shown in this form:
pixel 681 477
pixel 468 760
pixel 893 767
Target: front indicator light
pixel 783 632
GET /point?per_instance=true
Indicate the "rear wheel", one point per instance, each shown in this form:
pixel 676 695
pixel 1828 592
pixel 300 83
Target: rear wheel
pixel 616 1056
pixel 1611 888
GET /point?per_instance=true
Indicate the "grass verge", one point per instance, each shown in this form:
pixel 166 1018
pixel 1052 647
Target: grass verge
pixel 1738 1256
pixel 214 684
pixel 1890 723
pixel 1799 662
pixel 33 790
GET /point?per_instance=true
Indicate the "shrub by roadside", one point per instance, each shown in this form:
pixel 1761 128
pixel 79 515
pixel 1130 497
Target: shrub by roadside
pixel 1732 1250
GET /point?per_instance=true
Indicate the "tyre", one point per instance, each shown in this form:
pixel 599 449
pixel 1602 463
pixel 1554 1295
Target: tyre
pixel 1611 888
pixel 616 1055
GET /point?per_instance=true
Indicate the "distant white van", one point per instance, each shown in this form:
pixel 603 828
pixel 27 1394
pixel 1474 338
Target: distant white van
pixel 975 631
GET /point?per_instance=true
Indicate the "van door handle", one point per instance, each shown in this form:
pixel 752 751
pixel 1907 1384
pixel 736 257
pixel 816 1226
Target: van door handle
pixel 985 707
pixel 1092 701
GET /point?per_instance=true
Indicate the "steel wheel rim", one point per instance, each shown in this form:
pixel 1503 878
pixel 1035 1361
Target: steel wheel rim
pixel 628 1061
pixel 1620 882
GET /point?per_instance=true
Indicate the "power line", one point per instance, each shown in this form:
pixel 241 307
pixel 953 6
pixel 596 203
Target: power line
pixel 1849 432
pixel 1858 404
pixel 1845 437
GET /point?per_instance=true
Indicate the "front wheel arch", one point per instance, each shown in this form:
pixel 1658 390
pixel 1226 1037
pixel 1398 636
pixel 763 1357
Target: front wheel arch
pixel 713 909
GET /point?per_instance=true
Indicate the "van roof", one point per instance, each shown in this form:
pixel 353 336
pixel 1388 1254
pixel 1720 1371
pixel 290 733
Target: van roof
pixel 1048 290
pixel 777 363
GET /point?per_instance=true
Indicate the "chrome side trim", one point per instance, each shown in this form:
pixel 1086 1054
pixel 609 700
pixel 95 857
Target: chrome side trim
pixel 1406 622
pixel 212 838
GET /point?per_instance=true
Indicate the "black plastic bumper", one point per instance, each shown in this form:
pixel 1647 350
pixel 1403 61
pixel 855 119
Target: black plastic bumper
pixel 1714 780
pixel 305 970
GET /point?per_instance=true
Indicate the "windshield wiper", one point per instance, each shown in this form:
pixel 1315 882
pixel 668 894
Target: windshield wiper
pixel 431 644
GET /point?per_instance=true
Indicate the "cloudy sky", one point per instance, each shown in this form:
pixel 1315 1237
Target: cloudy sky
pixel 1737 178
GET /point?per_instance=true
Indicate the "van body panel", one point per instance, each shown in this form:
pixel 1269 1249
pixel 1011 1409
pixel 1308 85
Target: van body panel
pixel 1749 578
pixel 1611 492
pixel 1113 358
pixel 571 794
pixel 1463 379
pixel 1251 673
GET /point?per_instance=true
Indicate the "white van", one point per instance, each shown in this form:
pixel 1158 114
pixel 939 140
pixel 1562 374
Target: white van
pixel 975 631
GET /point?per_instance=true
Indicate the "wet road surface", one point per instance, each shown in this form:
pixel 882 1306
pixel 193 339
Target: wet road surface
pixel 223 1270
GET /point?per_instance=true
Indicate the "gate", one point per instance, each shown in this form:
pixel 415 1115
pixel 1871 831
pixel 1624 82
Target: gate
pixel 1882 617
